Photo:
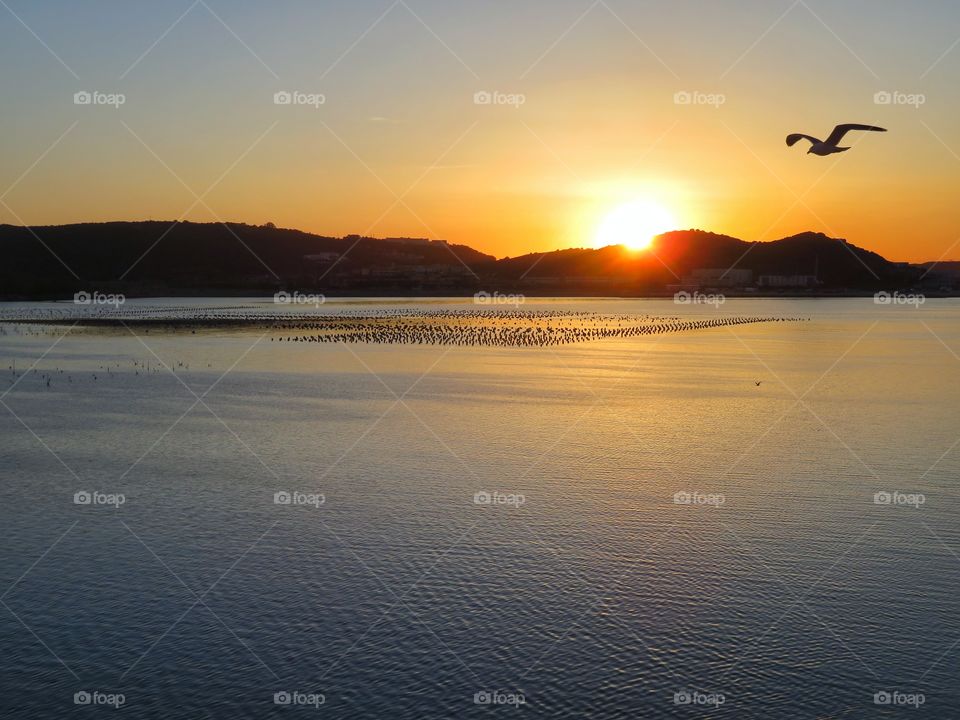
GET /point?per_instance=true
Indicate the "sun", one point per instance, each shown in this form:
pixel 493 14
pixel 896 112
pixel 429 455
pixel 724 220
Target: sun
pixel 634 225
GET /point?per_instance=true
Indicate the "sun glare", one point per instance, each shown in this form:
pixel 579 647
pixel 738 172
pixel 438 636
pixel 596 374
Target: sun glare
pixel 634 225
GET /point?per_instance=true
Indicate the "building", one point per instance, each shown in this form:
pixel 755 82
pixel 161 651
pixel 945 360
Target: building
pixel 718 277
pixel 407 241
pixel 322 257
pixel 788 281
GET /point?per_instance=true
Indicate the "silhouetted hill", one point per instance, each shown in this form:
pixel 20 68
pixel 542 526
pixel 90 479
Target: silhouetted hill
pixel 943 268
pixel 573 262
pixel 835 261
pixel 162 256
pixel 675 256
pixel 157 258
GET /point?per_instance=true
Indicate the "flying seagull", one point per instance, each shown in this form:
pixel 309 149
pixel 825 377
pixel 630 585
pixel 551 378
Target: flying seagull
pixel 830 145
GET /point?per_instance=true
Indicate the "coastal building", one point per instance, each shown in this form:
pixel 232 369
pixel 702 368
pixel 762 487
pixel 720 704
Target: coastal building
pixel 407 241
pixel 788 281
pixel 718 277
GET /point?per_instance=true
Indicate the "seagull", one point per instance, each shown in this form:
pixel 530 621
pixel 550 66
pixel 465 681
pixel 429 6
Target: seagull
pixel 830 145
pixel 757 382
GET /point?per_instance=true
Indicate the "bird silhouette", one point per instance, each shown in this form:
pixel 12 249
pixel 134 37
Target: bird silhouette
pixel 757 382
pixel 831 144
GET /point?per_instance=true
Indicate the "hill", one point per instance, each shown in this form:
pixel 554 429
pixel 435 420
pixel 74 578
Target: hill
pixel 160 257
pixel 164 258
pixel 675 257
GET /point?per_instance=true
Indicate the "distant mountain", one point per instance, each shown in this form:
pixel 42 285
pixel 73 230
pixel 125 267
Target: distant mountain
pixel 148 257
pixel 165 258
pixel 676 255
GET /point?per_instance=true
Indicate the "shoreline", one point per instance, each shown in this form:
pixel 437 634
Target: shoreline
pixel 393 297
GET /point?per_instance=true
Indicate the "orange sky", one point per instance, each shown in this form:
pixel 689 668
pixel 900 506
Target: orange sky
pixel 601 122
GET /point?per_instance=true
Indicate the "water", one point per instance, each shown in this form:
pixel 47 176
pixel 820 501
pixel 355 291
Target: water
pixel 783 589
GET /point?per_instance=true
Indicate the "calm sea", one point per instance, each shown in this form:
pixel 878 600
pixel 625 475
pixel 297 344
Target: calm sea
pixel 749 522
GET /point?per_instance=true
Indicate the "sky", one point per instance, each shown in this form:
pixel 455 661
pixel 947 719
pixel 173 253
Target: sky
pixel 512 126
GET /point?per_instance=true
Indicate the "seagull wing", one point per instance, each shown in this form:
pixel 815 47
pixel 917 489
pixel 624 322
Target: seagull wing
pixel 797 137
pixel 840 130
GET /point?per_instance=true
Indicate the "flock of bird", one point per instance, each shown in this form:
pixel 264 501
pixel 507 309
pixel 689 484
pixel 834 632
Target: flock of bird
pixel 516 332
pixel 500 327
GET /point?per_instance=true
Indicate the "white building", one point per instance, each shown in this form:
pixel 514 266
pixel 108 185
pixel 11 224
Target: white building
pixel 718 277
pixel 788 281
